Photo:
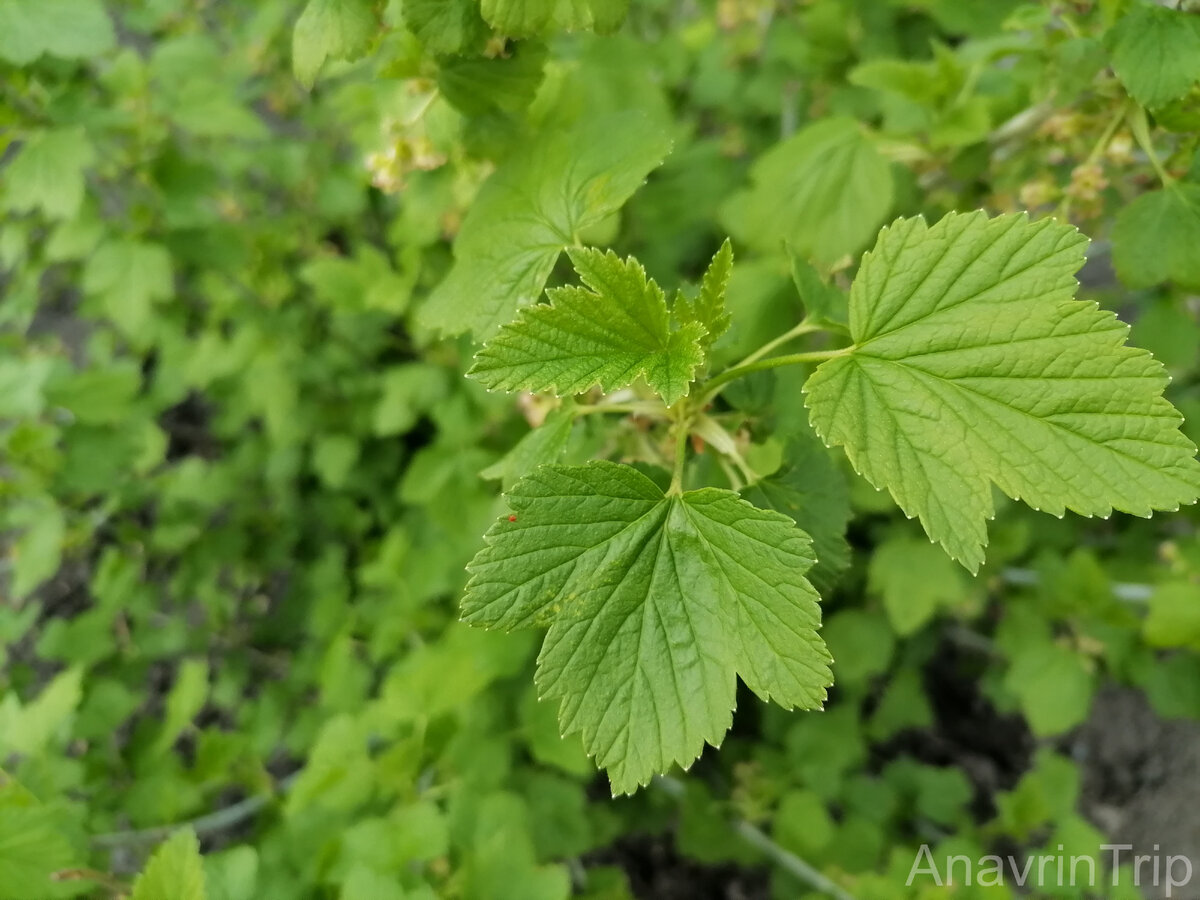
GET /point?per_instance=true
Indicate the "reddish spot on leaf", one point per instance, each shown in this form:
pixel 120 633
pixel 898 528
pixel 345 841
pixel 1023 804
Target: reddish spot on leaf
pixel 512 518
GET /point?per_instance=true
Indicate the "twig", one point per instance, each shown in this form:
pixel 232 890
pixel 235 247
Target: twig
pixel 758 839
pixel 1126 591
pixel 208 824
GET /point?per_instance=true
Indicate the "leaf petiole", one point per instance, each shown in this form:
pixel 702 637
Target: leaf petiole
pixel 715 384
pixel 646 408
pixel 1136 117
pixel 680 413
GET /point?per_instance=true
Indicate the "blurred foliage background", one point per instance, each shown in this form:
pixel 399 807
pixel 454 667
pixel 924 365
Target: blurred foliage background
pixel 242 472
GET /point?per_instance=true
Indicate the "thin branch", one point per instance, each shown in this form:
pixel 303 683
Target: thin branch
pixel 681 439
pixel 713 386
pixel 804 327
pixel 1128 592
pixel 757 838
pixel 204 825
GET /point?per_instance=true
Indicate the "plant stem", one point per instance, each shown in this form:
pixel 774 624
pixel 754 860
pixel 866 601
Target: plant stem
pixel 681 436
pixel 642 408
pixel 1106 136
pixel 803 328
pixel 423 107
pixel 757 838
pixel 1141 133
pixel 204 825
pixel 714 384
pixel 789 861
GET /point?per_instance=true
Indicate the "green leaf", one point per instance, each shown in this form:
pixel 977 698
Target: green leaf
pixel 610 335
pixel 862 644
pixel 1155 237
pixel 32 729
pixel 479 86
pixel 1156 53
pixel 534 207
pixel 37 553
pixel 519 18
pixel 822 302
pixel 913 578
pixel 824 191
pixel 653 603
pixel 809 488
pixel 366 882
pixel 71 29
pixel 32 845
pixel 531 18
pixel 445 26
pixel 1052 685
pixel 802 823
pixel 47 173
pixel 330 29
pixel 409 391
pixel 187 697
pixel 540 446
pixel 973 366
pixel 129 277
pixel 174 872
pixel 707 308
pixel 600 16
pixel 1174 619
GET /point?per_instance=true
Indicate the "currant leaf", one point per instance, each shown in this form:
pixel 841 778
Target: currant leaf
pixel 175 870
pixel 532 18
pixel 532 209
pixel 612 331
pixel 1155 237
pixel 708 306
pixel 654 604
pixel 1156 53
pixel 973 365
pixel 330 29
pixel 825 191
pixel 810 489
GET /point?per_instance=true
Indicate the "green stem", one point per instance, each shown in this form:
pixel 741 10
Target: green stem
pixel 644 408
pixel 803 328
pixel 109 882
pixel 717 382
pixel 681 436
pixel 1141 133
pixel 1064 207
pixel 757 838
pixel 419 113
pixel 1106 136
